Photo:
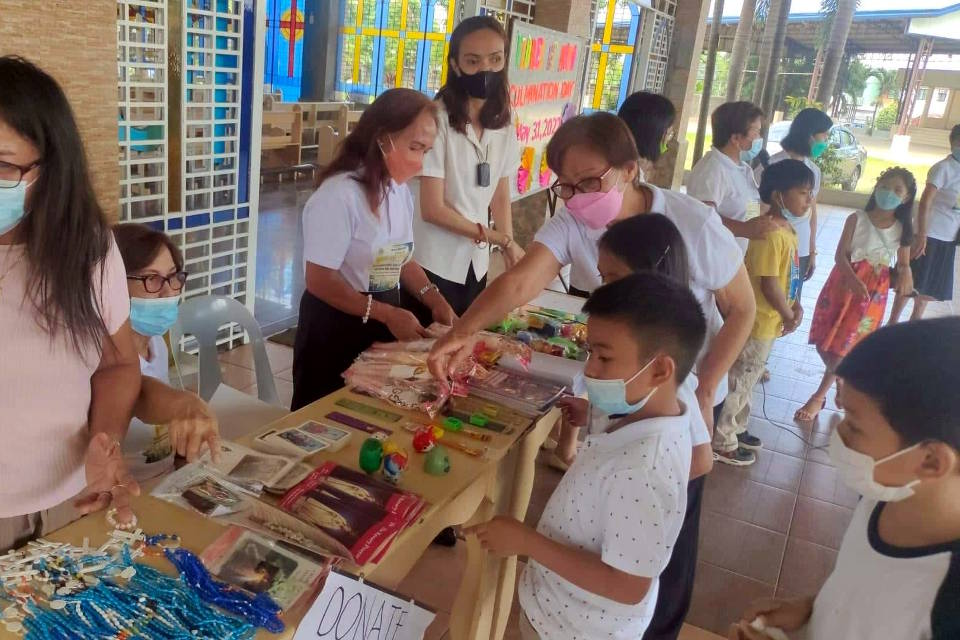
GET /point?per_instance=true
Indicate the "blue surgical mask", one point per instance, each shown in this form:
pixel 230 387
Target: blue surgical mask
pixel 886 199
pixel 789 215
pixel 12 206
pixel 955 152
pixel 751 153
pixel 153 316
pixel 610 396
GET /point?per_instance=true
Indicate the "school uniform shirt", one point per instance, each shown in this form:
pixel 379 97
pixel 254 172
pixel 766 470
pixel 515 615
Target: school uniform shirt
pixel 340 232
pixel 730 185
pixel 45 390
pixel 624 499
pixel 943 221
pixel 878 590
pixel 773 256
pixel 803 226
pixel 713 252
pixel 147 449
pixel 454 157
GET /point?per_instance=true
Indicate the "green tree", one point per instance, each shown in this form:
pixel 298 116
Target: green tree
pixel 840 14
pixel 887 117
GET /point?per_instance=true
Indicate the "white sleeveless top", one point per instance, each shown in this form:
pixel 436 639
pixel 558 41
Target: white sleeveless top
pixel 876 246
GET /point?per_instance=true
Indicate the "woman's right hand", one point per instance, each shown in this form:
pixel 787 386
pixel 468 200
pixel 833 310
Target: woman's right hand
pixel 404 325
pixel 448 352
pixel 512 254
pixel 856 286
pixel 919 246
pixel 759 227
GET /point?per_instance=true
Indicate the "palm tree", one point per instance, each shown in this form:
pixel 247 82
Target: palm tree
pixel 767 46
pixel 740 50
pixel 842 12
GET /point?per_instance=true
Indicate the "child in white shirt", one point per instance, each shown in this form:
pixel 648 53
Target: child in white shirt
pixel 609 528
pixel 897 575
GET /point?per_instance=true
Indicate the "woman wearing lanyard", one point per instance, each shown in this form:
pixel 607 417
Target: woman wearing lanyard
pixel 596 163
pixel 69 375
pixel 467 174
pixel 806 141
pixel 723 178
pixel 358 244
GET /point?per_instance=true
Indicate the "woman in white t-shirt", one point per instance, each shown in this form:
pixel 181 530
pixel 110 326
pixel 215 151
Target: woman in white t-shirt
pixel 723 178
pixel 358 246
pixel 466 176
pixel 934 248
pixel 806 141
pixel 168 420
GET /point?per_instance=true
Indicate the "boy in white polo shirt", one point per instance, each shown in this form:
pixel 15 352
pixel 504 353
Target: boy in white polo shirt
pixel 609 528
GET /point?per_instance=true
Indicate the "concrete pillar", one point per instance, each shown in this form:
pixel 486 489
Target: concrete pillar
pixel 568 16
pixel 690 24
pixel 320 32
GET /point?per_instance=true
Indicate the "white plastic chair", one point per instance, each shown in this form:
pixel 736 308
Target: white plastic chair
pixel 202 317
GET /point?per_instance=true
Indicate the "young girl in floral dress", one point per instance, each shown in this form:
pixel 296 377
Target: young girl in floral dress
pixel 872 257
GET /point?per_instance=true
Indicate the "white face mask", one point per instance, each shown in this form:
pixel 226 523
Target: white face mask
pixel 856 471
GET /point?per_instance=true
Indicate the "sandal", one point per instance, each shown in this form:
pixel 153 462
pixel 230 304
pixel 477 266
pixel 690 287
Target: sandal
pixel 766 375
pixel 804 414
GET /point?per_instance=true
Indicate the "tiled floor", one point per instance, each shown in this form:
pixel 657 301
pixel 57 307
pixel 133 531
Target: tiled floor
pixel 770 529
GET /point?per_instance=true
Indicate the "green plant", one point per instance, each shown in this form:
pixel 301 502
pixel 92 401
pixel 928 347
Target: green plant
pixel 886 117
pixel 829 163
pixel 797 104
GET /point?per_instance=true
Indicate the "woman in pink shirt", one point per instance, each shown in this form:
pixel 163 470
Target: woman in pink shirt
pixel 69 371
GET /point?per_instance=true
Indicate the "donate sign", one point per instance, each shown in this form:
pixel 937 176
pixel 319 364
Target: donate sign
pixel 546 69
pixel 348 609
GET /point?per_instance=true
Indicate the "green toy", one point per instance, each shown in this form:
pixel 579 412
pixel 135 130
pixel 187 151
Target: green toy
pixel 371 455
pixel 452 424
pixel 437 461
pixel 479 420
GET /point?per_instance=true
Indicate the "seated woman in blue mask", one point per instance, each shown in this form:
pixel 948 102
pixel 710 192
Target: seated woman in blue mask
pixel 169 420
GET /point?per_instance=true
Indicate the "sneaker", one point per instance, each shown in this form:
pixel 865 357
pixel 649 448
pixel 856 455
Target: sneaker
pixel 739 457
pixel 746 440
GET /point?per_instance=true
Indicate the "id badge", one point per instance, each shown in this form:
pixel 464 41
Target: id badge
pixel 483 174
pixel 753 210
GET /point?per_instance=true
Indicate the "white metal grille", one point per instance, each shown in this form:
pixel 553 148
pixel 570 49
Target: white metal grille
pixel 657 50
pixel 215 226
pixel 505 10
pixel 142 103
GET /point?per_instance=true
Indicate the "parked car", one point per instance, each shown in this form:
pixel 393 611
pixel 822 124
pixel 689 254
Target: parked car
pixel 852 154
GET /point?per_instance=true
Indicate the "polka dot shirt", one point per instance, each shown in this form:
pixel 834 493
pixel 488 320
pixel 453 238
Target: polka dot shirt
pixel 624 499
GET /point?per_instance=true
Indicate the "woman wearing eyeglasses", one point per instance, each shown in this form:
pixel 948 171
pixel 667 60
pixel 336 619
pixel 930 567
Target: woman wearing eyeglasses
pixel 69 376
pixel 167 419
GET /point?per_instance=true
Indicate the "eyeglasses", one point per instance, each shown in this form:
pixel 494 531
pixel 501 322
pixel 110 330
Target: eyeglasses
pixel 12 174
pixel 565 190
pixel 154 282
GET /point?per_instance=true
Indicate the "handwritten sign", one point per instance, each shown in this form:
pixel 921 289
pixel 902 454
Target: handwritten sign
pixel 546 69
pixel 348 609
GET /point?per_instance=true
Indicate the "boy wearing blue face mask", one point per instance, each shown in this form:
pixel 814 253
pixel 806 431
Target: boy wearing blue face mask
pixel 897 574
pixel 609 528
pixel 774 268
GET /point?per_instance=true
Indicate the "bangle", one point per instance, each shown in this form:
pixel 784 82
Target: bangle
pixel 366 315
pixel 427 288
pixel 482 241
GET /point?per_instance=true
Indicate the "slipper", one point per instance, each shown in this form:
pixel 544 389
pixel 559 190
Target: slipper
pixel 766 375
pixel 549 444
pixel 804 415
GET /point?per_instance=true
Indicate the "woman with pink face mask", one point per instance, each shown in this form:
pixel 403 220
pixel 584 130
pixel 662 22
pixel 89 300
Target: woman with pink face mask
pixel 358 246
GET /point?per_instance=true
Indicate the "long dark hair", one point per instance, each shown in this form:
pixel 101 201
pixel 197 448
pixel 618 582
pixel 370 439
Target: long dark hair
pixel 903 213
pixel 649 116
pixel 393 111
pixel 649 242
pixel 806 124
pixel 64 232
pixel 495 113
pixel 140 245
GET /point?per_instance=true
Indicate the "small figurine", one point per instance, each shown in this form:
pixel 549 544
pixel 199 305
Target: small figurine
pixel 389 446
pixel 394 464
pixel 479 420
pixel 371 455
pixel 437 462
pixel 424 440
pixel 452 424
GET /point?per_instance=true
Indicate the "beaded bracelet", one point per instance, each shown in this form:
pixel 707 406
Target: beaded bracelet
pixel 366 316
pixel 111 517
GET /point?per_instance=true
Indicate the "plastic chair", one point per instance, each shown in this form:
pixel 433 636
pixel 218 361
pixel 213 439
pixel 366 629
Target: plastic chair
pixel 202 318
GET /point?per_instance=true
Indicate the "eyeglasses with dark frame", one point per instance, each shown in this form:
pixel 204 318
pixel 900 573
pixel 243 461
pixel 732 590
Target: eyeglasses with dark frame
pixel 154 282
pixel 565 190
pixel 12 174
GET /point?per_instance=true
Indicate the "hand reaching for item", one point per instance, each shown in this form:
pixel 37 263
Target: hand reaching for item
pixel 448 353
pixel 109 483
pixel 404 325
pixel 785 615
pixel 194 425
pixel 502 536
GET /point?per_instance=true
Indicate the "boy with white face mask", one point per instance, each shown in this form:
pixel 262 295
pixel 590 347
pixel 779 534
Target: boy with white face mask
pixel 609 528
pixel 897 575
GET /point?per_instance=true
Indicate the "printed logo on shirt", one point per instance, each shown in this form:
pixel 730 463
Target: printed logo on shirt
pixel 794 278
pixel 387 263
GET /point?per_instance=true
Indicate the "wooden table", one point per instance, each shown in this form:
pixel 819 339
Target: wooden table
pixel 474 491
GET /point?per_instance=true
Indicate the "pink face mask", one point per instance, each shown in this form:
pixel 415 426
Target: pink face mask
pixel 598 209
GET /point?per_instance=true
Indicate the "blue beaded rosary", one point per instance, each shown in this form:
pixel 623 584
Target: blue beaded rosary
pixel 61 592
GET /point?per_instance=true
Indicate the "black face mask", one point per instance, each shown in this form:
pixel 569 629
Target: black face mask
pixel 479 85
